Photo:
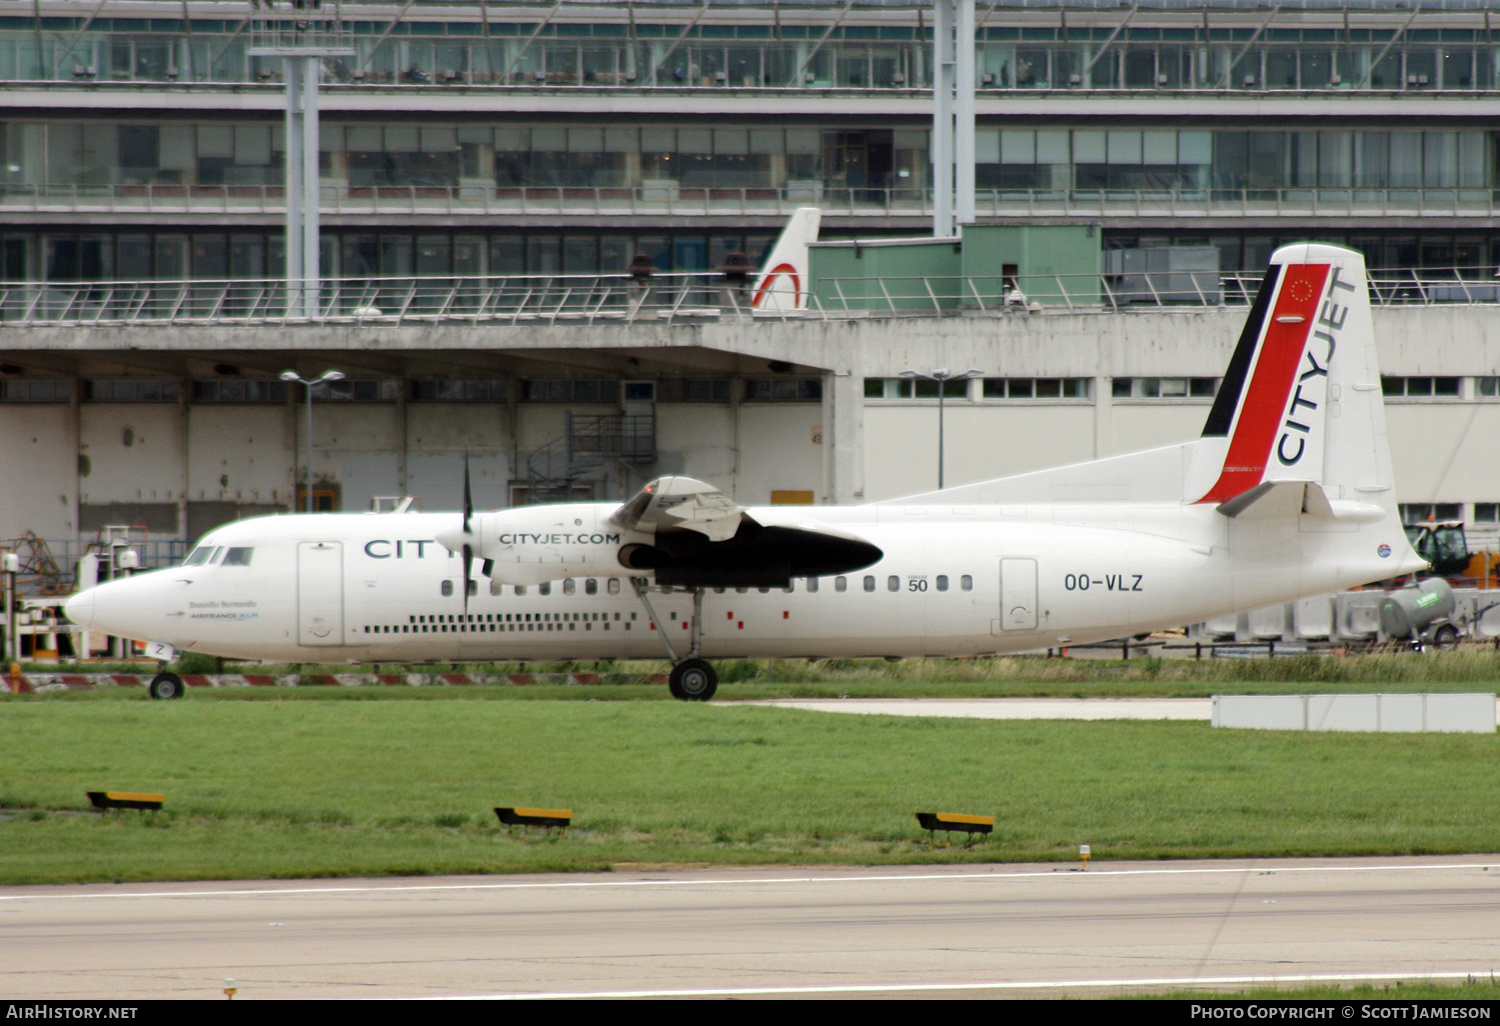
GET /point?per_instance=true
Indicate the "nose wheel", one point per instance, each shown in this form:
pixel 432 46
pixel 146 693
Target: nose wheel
pixel 166 686
pixel 693 680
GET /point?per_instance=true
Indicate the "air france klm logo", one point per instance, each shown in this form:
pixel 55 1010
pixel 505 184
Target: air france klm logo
pixel 1311 390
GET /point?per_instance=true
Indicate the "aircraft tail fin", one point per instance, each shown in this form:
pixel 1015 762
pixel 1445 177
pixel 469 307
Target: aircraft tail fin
pixel 1298 425
pixel 783 281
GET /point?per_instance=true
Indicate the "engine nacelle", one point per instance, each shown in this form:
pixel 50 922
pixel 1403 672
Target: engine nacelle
pixel 536 544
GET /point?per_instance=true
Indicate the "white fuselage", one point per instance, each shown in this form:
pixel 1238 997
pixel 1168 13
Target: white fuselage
pixel 952 581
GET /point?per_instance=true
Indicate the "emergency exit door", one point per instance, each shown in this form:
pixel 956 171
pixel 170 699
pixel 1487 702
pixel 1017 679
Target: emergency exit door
pixel 320 593
pixel 1018 597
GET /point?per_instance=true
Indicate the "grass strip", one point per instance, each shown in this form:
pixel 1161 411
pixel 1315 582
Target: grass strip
pixel 286 787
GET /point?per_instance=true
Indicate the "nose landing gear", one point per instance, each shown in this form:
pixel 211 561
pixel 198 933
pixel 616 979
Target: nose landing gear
pixel 692 679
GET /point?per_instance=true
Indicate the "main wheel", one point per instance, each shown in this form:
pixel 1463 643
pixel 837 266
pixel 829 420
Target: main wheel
pixel 1445 638
pixel 167 685
pixel 693 680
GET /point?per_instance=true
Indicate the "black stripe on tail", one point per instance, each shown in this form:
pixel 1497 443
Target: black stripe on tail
pixel 1221 417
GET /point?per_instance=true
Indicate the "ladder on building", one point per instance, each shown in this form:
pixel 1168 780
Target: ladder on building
pixel 555 471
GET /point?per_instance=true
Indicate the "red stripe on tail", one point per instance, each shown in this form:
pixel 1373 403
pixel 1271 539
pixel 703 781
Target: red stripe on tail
pixel 770 279
pixel 1286 333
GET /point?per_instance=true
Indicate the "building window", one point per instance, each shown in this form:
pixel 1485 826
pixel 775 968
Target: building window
pixel 570 390
pixel 795 390
pixel 1164 388
pixel 350 390
pixel 460 391
pixel 36 390
pixel 1036 388
pixel 132 390
pixel 230 391
pixel 692 390
pixel 1420 387
pixel 915 388
pixel 1422 512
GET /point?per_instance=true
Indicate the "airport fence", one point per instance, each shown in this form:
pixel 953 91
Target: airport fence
pixel 590 298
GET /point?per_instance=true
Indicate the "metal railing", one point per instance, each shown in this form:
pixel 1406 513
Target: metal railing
pixel 153 554
pixel 603 298
pixel 668 197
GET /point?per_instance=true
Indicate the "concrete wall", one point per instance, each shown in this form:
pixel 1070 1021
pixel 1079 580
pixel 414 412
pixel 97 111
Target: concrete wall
pixel 200 460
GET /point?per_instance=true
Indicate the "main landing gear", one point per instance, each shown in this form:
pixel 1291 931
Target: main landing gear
pixel 692 679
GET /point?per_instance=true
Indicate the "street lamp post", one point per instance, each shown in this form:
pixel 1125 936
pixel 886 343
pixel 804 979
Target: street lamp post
pixel 941 375
pixel 331 375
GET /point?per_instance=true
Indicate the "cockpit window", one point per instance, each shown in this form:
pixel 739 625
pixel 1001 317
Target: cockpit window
pixel 238 556
pixel 199 555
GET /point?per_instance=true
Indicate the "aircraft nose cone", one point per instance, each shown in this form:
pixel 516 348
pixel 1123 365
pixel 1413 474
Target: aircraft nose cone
pixel 80 608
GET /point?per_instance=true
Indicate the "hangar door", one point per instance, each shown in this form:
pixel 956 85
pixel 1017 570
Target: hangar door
pixel 320 593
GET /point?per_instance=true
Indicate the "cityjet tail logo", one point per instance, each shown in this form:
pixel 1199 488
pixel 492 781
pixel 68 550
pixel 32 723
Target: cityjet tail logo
pixel 559 539
pixel 410 548
pixel 769 282
pixel 1311 390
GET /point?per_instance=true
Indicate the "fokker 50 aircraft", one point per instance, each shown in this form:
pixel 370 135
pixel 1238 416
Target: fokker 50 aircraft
pixel 1287 493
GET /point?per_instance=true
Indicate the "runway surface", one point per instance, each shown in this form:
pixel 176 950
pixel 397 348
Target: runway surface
pixel 980 931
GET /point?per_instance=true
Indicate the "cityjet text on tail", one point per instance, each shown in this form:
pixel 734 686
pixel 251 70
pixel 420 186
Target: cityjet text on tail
pixel 1287 493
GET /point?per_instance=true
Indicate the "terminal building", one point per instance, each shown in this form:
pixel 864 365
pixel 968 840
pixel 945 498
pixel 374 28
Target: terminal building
pixel 527 155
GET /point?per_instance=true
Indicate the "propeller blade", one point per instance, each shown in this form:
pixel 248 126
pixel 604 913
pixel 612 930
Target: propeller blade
pixel 468 562
pixel 468 496
pixel 468 548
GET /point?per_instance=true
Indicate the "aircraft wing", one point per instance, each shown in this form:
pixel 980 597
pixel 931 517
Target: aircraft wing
pixel 680 503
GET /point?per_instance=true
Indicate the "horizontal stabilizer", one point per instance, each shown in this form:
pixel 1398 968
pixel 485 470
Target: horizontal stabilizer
pixel 1272 499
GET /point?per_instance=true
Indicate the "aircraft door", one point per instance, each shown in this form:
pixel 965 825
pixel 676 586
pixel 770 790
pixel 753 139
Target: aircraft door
pixel 320 593
pixel 1018 598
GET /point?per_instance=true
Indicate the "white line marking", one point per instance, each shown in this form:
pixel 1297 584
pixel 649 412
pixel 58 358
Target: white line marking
pixel 893 988
pixel 1068 873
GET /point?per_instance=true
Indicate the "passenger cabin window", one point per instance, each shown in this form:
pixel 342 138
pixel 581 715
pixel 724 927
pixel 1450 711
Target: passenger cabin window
pixel 893 583
pixel 942 582
pixel 494 587
pixel 570 586
pixel 544 589
pixel 520 589
pixel 447 589
pixel 840 584
pixel 239 556
pixel 812 585
pixel 614 586
pixel 590 586
pixel 869 583
pixel 966 583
